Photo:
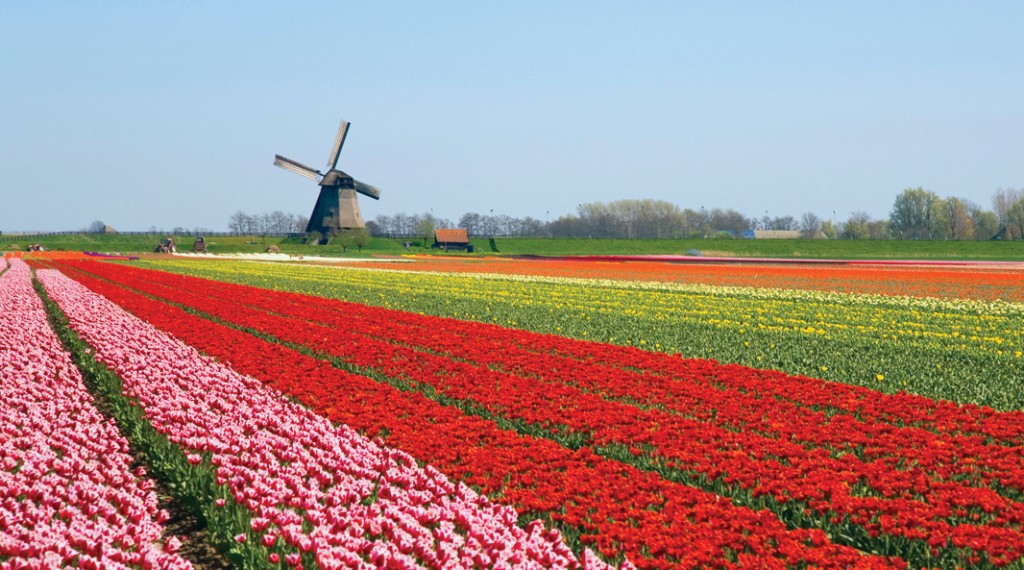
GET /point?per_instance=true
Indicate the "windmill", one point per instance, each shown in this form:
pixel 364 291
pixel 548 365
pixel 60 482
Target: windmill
pixel 336 207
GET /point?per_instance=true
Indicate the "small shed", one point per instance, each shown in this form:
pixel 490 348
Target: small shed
pixel 452 239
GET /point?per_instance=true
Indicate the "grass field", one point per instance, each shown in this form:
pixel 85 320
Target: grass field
pixel 815 249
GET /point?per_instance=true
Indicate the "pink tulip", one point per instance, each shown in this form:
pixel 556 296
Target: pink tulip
pixel 69 492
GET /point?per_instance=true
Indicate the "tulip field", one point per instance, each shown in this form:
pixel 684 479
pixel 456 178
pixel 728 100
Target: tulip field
pixel 886 340
pixel 439 417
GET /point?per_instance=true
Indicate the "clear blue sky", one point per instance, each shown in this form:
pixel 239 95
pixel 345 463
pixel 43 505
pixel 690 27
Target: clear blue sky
pixel 169 114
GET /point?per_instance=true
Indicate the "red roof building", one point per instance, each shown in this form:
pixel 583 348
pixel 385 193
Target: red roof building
pixel 452 239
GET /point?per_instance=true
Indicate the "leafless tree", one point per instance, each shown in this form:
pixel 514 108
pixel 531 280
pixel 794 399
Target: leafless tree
pixel 810 225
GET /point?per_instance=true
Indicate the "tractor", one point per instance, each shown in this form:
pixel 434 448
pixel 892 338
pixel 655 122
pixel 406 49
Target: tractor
pixel 200 245
pixel 166 246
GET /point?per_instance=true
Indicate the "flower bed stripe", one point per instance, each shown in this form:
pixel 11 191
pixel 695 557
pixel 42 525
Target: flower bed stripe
pixel 323 490
pixel 68 494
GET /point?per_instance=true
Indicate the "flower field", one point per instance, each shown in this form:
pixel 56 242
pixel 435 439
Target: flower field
pixel 339 417
pixel 827 474
pixel 922 345
pixel 989 282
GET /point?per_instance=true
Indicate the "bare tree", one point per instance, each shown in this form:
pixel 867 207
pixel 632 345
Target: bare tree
pixel 385 225
pixel 470 221
pixel 810 225
pixel 239 222
pixel 728 220
pixel 280 222
pixel 783 223
pixel 400 224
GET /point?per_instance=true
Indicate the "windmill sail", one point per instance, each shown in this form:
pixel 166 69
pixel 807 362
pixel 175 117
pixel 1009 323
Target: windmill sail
pixel 367 190
pixel 297 167
pixel 339 141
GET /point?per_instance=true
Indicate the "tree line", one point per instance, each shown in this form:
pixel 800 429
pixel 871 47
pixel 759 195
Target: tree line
pixel 916 214
pixel 274 223
pixel 922 214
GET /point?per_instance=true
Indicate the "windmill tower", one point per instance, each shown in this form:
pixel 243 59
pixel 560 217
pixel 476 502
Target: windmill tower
pixel 336 208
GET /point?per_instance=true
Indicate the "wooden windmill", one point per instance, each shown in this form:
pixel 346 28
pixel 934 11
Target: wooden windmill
pixel 336 208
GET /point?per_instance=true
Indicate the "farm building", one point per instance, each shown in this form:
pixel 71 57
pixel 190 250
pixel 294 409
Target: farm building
pixel 452 239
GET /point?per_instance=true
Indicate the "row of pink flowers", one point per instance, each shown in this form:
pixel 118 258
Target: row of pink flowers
pixel 68 494
pixel 366 505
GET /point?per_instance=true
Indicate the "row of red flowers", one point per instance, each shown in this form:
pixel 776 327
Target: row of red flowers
pixel 902 502
pixel 323 490
pixel 68 493
pixel 612 504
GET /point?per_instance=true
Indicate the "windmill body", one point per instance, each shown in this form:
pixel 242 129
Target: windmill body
pixel 337 207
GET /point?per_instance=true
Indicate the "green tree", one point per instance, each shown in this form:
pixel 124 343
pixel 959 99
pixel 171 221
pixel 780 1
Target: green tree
pixel 856 226
pixel 361 237
pixel 957 217
pixel 829 230
pixel 345 240
pixel 1015 220
pixel 913 215
pixel 425 228
pixel 879 229
pixel 940 224
pixel 986 224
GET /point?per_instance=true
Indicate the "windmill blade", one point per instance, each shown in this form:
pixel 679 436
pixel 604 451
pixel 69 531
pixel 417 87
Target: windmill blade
pixel 332 161
pixel 367 190
pixel 297 168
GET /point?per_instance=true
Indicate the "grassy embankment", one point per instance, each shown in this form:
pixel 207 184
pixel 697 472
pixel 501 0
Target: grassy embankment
pixel 816 249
